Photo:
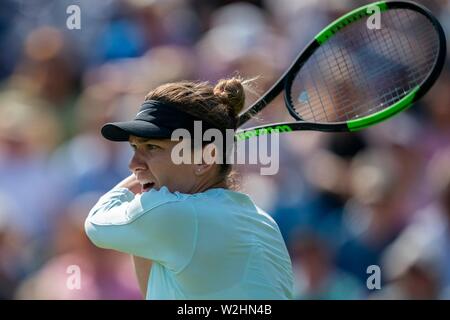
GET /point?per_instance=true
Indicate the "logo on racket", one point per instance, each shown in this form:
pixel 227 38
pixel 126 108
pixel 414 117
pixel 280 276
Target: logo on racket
pixel 303 97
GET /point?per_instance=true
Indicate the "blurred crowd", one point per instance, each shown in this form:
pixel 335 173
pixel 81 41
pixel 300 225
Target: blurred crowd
pixel 343 202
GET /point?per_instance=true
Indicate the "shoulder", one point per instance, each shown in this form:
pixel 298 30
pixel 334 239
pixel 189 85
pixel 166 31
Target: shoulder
pixel 230 206
pixel 203 203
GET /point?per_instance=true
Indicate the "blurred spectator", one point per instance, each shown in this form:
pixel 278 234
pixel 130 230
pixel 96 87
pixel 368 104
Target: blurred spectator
pixel 28 132
pixel 417 282
pixel 422 251
pixel 372 216
pixel 104 274
pixel 12 251
pixel 316 276
pixel 326 172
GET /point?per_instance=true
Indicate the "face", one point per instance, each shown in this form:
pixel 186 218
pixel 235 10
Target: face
pixel 153 167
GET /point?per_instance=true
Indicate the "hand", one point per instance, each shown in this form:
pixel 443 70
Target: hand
pixel 131 183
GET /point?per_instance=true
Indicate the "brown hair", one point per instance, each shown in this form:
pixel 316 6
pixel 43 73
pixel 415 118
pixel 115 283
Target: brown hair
pixel 219 105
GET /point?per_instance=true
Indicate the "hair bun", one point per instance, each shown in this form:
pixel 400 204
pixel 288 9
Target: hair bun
pixel 231 93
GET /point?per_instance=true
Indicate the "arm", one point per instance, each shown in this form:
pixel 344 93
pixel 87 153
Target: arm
pixel 156 225
pixel 142 269
pixel 142 266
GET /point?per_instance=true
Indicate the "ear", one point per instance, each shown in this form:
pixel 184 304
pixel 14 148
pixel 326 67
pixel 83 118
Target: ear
pixel 202 169
pixel 208 160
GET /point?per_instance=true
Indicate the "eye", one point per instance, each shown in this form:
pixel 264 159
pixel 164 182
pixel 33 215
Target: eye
pixel 133 146
pixel 150 146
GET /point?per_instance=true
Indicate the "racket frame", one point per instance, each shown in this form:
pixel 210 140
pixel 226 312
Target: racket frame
pixel 285 81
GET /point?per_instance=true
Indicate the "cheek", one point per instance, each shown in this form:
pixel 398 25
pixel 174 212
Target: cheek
pixel 180 173
pixel 168 173
pixel 181 177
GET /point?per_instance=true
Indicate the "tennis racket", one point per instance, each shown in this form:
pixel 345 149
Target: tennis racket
pixel 351 76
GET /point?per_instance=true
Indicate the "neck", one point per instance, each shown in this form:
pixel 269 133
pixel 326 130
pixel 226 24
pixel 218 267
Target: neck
pixel 209 183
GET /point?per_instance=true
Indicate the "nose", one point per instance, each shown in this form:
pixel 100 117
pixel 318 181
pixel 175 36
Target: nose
pixel 137 162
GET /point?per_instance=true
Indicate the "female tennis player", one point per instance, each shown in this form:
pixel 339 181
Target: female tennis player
pixel 204 240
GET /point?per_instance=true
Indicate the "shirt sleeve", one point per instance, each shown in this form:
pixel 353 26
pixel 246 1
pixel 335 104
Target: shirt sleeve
pixel 157 225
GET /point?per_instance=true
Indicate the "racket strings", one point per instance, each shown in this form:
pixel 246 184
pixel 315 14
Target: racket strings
pixel 403 52
pixel 336 96
pixel 362 71
pixel 388 97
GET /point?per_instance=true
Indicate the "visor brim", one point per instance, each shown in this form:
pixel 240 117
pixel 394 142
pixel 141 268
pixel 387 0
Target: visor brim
pixel 121 131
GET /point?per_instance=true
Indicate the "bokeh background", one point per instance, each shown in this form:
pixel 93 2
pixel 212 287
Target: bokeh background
pixel 344 202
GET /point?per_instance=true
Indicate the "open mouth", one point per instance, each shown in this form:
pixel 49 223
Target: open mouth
pixel 147 186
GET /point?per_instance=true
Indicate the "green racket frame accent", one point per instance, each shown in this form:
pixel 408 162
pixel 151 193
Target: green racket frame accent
pixel 263 131
pixel 361 123
pixel 347 19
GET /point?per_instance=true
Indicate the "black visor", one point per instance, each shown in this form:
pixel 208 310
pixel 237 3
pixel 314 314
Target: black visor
pixel 155 119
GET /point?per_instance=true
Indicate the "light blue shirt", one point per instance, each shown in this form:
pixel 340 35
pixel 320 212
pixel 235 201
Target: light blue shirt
pixel 212 245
